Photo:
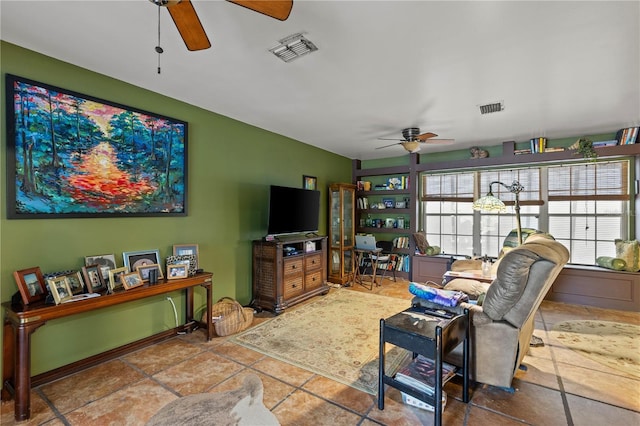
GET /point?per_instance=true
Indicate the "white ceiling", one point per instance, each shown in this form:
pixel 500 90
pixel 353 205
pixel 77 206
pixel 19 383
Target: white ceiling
pixel 562 68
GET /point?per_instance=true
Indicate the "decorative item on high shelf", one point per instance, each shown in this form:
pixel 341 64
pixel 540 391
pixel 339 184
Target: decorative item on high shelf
pixel 585 148
pixel 477 152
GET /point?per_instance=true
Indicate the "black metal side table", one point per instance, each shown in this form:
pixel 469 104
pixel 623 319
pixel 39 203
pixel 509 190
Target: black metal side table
pixel 433 334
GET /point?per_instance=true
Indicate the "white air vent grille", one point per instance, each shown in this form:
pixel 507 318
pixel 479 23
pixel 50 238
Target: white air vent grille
pixel 293 47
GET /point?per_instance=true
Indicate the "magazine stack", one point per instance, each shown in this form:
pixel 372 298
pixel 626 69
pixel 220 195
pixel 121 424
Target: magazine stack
pixel 420 374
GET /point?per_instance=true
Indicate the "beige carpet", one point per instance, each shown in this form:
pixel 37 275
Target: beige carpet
pixel 614 344
pixel 336 336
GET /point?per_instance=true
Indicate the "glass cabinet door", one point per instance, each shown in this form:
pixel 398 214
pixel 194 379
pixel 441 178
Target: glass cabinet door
pixel 341 231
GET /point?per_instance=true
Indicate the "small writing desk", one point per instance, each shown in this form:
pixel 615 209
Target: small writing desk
pixel 374 255
pixel 24 320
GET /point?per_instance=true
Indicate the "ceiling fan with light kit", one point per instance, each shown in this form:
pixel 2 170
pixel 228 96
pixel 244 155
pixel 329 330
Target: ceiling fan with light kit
pixel 412 140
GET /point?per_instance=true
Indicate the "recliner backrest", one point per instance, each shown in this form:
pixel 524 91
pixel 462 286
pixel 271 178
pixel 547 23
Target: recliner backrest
pixel 524 276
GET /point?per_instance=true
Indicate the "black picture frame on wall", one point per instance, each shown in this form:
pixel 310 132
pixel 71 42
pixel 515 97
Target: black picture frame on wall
pixel 71 155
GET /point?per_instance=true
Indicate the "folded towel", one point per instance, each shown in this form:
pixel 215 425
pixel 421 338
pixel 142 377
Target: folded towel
pixel 447 298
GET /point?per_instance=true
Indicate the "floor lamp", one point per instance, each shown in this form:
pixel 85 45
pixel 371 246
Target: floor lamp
pixel 493 204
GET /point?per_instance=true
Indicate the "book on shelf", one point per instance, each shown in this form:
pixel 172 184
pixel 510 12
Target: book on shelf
pixel 538 145
pixel 420 374
pixel 627 136
pixel 600 144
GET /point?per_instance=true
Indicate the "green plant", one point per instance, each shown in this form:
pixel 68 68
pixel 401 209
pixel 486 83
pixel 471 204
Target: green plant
pixel 585 148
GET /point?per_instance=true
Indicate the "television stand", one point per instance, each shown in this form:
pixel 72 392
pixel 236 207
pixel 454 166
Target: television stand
pixel 288 271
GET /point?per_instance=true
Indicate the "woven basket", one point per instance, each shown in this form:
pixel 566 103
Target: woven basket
pixel 229 316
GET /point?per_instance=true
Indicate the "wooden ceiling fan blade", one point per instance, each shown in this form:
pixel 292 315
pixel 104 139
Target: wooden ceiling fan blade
pixel 423 137
pixel 278 9
pixel 189 25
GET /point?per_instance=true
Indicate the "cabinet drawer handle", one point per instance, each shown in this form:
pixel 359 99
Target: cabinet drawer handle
pixel 293 266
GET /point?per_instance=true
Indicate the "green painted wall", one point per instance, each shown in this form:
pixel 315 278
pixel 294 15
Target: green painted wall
pixel 231 165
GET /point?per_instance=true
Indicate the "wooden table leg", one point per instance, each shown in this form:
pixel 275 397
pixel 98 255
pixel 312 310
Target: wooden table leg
pixel 22 369
pixel 209 288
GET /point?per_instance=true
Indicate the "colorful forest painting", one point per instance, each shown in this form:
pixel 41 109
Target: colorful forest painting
pixel 70 155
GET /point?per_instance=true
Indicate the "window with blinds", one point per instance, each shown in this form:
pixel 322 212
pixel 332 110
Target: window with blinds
pixel 585 206
pixel 588 207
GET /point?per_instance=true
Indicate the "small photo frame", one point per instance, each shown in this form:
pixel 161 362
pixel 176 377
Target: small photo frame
pixel 92 275
pixel 31 284
pixel 60 289
pixel 76 283
pixel 144 271
pixel 187 249
pixel 105 262
pixel 131 280
pixel 389 203
pixel 177 271
pixel 133 259
pixel 115 278
pixel 309 182
pixel 184 259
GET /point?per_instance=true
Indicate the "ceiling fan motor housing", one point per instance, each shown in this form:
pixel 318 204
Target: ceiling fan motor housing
pixel 410 134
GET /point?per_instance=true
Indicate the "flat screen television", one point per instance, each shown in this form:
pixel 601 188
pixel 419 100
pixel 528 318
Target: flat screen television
pixel 293 210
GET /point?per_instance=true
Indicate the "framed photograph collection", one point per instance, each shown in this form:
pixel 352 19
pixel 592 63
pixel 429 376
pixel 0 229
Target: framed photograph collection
pixel 102 275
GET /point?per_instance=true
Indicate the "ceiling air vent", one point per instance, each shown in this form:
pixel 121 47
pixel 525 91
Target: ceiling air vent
pixel 293 47
pixel 489 108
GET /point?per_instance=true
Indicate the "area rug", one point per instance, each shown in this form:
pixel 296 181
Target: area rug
pixel 238 407
pixel 614 344
pixel 336 336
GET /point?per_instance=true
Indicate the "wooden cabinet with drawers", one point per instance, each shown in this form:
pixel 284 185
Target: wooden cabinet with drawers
pixel 288 271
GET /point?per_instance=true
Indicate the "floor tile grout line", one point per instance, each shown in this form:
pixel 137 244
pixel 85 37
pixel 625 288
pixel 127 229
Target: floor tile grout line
pixel 563 395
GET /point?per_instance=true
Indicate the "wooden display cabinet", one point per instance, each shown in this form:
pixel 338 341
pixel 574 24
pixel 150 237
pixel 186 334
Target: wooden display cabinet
pixel 288 271
pixel 341 231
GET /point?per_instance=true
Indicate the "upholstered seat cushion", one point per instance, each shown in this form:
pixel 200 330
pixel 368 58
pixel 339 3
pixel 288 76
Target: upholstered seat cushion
pixel 471 287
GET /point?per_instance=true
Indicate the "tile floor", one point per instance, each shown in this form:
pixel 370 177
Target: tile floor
pixel 559 387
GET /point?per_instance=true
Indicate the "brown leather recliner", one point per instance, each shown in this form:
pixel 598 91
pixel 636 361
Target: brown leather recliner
pixel 502 327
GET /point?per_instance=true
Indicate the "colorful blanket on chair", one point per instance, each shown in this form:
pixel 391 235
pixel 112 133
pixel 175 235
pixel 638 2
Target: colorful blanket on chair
pixel 441 297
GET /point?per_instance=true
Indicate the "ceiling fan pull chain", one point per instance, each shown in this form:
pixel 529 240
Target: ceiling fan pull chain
pixel 158 48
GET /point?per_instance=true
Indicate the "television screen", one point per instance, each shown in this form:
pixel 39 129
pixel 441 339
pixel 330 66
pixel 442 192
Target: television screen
pixel 293 210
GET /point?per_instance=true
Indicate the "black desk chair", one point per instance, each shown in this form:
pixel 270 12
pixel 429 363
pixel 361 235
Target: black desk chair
pixel 387 260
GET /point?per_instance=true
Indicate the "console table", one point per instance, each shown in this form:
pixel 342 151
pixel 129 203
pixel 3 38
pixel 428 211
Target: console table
pixel 24 320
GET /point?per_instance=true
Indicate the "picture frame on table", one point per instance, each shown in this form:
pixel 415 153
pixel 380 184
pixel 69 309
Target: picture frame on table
pixel 115 278
pixel 178 270
pixel 76 283
pixel 131 280
pixel 187 249
pixel 93 278
pixel 59 287
pixel 133 259
pixel 144 271
pixel 105 262
pixel 140 191
pixel 309 182
pixel 31 284
pixel 183 259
